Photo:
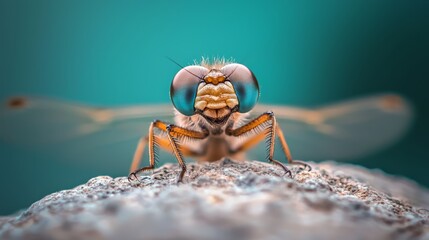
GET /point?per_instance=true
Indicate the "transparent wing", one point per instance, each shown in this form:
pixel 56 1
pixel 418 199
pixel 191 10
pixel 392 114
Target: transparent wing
pixel 92 137
pixel 108 137
pixel 48 145
pixel 343 131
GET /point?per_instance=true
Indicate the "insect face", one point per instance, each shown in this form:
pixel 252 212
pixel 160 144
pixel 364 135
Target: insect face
pixel 214 93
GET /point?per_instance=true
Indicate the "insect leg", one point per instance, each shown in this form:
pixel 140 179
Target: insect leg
pixel 162 142
pixel 173 132
pixel 268 123
pixel 139 153
pixel 286 150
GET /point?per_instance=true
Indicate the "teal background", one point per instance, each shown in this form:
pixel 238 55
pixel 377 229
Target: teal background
pixel 305 53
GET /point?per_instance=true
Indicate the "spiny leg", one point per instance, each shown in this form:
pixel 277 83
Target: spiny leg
pixel 173 132
pixel 139 154
pixel 177 153
pixel 163 143
pixel 286 150
pixel 269 134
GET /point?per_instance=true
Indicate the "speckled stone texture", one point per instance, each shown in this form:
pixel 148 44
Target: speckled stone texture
pixel 232 200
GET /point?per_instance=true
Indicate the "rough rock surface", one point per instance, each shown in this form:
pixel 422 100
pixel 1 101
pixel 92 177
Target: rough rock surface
pixel 231 200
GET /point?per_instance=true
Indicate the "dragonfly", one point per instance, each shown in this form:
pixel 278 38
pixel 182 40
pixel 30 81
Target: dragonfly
pixel 214 115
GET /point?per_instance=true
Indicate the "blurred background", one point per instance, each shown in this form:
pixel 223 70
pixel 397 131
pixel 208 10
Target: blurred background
pixel 304 53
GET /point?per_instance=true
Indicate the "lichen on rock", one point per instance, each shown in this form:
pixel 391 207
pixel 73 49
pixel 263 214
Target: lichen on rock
pixel 232 200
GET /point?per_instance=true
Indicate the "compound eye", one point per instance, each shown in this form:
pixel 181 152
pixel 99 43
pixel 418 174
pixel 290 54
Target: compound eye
pixel 184 87
pixel 245 85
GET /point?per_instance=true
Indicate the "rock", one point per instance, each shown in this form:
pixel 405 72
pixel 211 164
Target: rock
pixel 232 200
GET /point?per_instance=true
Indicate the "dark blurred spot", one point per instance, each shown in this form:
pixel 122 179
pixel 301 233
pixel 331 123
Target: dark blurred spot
pixel 112 207
pixel 241 90
pixel 17 102
pixel 189 95
pixel 392 102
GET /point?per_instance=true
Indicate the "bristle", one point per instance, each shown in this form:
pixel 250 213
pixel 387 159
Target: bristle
pixel 215 63
pixel 268 141
pixel 156 154
pixel 155 151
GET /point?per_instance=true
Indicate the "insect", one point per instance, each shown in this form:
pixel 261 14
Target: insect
pixel 215 115
pixel 211 102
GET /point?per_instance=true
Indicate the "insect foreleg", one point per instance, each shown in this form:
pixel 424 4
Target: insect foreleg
pixel 139 153
pixel 268 123
pixel 173 133
pixel 163 143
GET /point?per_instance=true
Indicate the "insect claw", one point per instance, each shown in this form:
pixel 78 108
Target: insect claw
pixel 129 177
pixel 309 167
pixel 133 175
pixel 287 171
